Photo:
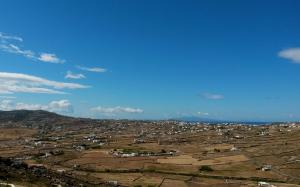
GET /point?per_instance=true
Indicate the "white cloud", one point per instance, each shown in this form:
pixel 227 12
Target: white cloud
pixel 6 37
pixel 94 69
pixel 6 105
pixel 213 96
pixel 292 54
pixel 116 110
pixel 8 44
pixel 71 75
pixel 203 113
pixel 25 106
pixel 11 48
pixel 52 58
pixel 22 83
pixel 61 106
pixel 7 97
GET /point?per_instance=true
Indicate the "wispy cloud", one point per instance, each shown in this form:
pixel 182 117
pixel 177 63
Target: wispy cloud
pixel 291 115
pixel 203 113
pixel 26 106
pixel 23 83
pixel 6 105
pixel 116 110
pixel 4 36
pixel 11 48
pixel 9 44
pixel 213 96
pixel 61 106
pixel 7 97
pixel 51 58
pixel 71 75
pixel 93 69
pixel 292 54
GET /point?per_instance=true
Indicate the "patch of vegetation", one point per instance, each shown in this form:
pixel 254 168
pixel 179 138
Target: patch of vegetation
pixel 150 169
pixel 37 159
pixel 136 150
pixel 217 150
pixel 130 150
pixel 95 147
pixel 205 168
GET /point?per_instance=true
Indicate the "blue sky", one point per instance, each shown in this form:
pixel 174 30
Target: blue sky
pixel 231 60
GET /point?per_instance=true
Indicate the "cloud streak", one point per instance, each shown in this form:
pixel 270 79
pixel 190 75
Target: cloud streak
pixel 203 113
pixel 93 69
pixel 6 105
pixel 71 75
pixel 213 96
pixel 11 48
pixel 292 54
pixel 4 36
pixel 116 110
pixel 51 58
pixel 22 83
pixel 61 106
pixel 8 44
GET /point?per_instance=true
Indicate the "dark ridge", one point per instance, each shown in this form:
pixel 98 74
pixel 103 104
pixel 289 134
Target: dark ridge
pixel 21 115
pixel 38 119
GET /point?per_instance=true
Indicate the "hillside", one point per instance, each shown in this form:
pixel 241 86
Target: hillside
pixel 34 119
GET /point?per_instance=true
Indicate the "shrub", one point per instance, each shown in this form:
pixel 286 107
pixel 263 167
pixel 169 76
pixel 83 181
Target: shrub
pixel 205 168
pixel 150 169
pixel 217 150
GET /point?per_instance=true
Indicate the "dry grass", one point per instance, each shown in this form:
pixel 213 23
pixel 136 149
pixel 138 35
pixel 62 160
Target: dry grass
pixel 123 179
pixel 173 183
pixel 189 160
pixel 16 133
